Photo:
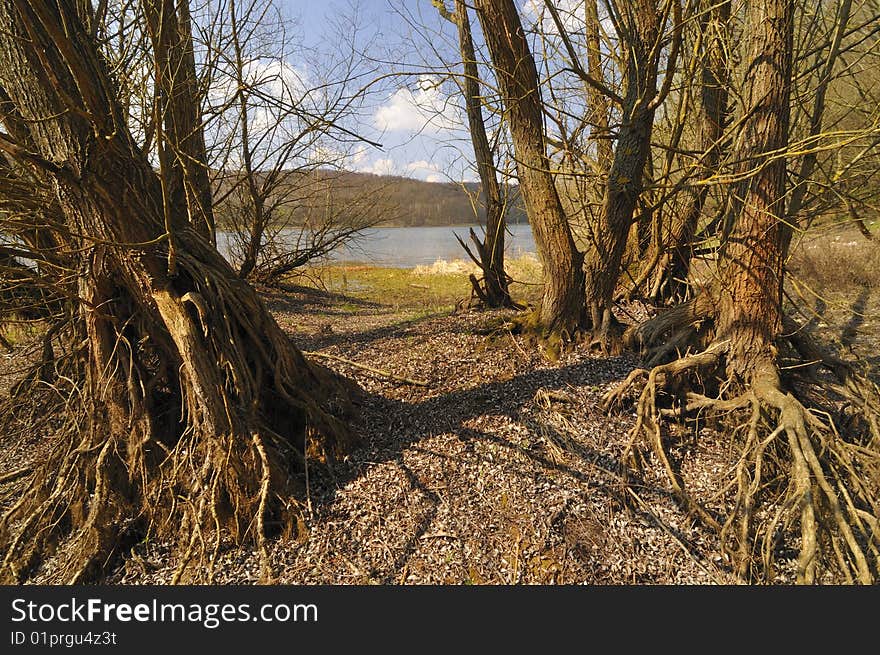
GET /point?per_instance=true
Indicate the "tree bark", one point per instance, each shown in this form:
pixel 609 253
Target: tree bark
pixel 608 238
pixel 562 303
pixel 491 247
pixel 598 103
pixel 195 404
pixel 673 268
pixel 183 156
pixel 751 259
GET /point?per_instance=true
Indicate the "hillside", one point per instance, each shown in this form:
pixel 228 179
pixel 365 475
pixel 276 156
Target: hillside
pixel 393 200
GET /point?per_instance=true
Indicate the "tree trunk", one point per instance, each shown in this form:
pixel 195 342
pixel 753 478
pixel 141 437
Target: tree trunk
pixel 491 248
pixel 256 221
pixel 673 268
pixel 195 405
pixel 751 259
pixel 608 238
pixel 597 102
pixel 183 156
pixel 562 304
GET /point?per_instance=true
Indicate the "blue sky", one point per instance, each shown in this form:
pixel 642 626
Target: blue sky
pixel 414 111
pixel 417 117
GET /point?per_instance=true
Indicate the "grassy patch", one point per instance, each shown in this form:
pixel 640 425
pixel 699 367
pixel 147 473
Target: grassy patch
pixel 17 331
pixel 423 290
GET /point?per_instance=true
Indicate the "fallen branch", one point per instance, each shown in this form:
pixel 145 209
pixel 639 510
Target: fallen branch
pixel 15 475
pixel 377 371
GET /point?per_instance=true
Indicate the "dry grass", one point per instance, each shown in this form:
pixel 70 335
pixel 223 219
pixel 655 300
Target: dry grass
pixel 833 281
pixel 838 262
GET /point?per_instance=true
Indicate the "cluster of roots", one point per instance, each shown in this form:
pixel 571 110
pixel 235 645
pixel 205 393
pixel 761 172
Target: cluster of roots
pixel 603 334
pixel 191 424
pixel 806 440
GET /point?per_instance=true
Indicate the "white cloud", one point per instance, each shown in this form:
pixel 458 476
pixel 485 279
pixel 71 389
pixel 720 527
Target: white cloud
pixel 356 156
pixel 427 109
pixel 571 13
pixel 383 166
pixel 424 170
pixel 272 78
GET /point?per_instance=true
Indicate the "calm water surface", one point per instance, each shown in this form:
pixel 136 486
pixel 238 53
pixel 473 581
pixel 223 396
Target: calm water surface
pixel 405 247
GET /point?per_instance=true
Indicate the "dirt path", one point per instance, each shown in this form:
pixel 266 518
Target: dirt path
pixel 502 470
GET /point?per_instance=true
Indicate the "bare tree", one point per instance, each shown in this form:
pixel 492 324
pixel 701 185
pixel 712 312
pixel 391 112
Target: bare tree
pixel 490 249
pixel 669 263
pixel 278 138
pixel 191 409
pixel 641 27
pixel 561 313
pixel 794 466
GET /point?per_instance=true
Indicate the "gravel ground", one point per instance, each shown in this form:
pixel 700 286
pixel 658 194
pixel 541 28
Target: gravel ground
pixel 502 470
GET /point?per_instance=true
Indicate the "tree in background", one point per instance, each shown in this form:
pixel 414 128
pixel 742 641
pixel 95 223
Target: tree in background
pixel 561 314
pixel 279 142
pixel 494 292
pixel 647 32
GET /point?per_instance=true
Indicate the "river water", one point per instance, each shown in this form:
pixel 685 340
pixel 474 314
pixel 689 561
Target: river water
pixel 406 247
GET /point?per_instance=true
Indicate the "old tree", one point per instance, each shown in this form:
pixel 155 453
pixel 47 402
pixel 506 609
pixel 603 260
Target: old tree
pixel 818 467
pixel 185 408
pixel 175 407
pixel 807 441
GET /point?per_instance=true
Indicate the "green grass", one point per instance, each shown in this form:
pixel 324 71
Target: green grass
pixel 421 291
pixel 16 331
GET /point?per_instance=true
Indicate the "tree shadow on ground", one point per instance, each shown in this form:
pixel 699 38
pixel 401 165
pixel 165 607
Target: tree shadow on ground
pixel 393 427
pixel 295 299
pixel 857 318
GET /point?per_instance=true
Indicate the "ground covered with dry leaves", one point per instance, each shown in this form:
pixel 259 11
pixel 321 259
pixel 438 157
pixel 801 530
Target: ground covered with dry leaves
pixel 499 469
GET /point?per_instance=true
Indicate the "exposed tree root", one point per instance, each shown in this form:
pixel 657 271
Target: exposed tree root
pixel 188 419
pixel 566 334
pixel 553 341
pixel 800 465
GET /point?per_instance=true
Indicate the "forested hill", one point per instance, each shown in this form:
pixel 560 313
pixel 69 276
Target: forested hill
pixel 432 203
pixel 398 201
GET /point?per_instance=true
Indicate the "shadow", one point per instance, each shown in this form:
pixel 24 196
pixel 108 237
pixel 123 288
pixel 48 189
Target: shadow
pixel 820 308
pixel 326 340
pixel 301 299
pixel 851 329
pixel 391 427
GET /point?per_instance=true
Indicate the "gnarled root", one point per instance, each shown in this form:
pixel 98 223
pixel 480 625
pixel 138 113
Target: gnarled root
pixel 189 421
pixel 552 340
pixel 794 466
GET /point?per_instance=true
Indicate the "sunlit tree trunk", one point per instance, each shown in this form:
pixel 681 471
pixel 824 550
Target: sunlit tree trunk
pixel 194 404
pixel 491 248
pixel 182 154
pixel 608 236
pixel 751 259
pixel 670 280
pixel 562 303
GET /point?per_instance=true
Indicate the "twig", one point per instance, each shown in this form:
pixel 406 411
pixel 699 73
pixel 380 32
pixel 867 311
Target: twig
pixel 15 475
pixel 377 371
